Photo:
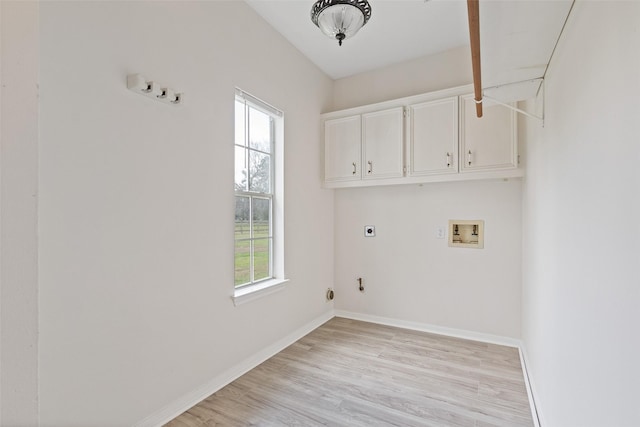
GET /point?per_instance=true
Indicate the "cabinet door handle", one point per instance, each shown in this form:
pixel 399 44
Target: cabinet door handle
pixel 448 160
pixel 370 167
pixel 469 158
pixel 354 168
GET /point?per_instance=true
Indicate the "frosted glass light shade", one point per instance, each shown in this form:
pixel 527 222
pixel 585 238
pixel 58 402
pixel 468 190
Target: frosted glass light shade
pixel 340 19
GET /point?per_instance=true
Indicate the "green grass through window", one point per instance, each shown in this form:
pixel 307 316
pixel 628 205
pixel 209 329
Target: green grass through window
pixel 261 253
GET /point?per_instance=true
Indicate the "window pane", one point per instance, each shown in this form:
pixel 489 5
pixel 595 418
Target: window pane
pixel 242 228
pixel 242 247
pixel 241 169
pixel 261 218
pixel 261 258
pixel 239 129
pixel 254 142
pixel 259 130
pixel 242 264
pixel 259 172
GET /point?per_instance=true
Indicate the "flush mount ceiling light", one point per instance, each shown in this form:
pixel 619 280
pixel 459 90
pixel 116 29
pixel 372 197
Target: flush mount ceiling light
pixel 340 19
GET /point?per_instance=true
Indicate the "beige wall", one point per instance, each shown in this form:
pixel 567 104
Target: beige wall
pixel 413 277
pixel 581 290
pixel 443 70
pixel 136 203
pixel 18 205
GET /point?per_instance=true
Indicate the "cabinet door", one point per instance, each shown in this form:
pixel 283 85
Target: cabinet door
pixel 382 143
pixel 433 137
pixel 489 142
pixel 342 141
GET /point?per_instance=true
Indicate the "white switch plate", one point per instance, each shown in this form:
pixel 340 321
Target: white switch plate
pixel 369 231
pixel 440 232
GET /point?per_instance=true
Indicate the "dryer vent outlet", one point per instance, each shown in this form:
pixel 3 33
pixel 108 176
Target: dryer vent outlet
pixel 330 294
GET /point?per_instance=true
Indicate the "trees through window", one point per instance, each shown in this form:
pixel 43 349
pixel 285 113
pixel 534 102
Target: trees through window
pixel 255 139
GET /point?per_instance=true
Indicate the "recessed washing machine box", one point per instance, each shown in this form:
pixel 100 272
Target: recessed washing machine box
pixel 464 233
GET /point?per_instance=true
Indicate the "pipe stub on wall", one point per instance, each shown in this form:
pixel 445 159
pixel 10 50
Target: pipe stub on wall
pixel 330 294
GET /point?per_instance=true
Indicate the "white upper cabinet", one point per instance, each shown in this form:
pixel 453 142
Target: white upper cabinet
pixel 489 142
pixel 382 144
pixel 433 137
pixel 342 149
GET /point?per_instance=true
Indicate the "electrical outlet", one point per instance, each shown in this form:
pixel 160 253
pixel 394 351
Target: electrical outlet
pixel 369 231
pixel 440 232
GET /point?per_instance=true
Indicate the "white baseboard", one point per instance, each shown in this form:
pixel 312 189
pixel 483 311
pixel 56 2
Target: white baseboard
pixel 434 329
pixel 180 405
pixel 535 412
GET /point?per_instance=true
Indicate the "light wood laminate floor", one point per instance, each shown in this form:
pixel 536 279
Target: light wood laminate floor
pixel 352 373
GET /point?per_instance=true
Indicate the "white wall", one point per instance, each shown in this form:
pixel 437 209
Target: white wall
pixel 581 291
pixel 136 203
pixel 411 276
pixel 18 204
pixel 443 70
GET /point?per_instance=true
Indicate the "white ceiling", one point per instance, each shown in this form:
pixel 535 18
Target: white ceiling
pixel 517 37
pixel 399 30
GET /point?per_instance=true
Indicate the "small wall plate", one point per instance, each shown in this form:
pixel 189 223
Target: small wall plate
pixel 466 233
pixel 369 231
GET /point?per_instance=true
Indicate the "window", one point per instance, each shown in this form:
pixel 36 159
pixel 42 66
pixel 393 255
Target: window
pixel 258 192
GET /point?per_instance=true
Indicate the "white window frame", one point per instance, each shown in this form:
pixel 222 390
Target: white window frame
pixel 276 282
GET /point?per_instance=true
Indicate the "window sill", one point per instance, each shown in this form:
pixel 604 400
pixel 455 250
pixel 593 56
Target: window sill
pixel 259 290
